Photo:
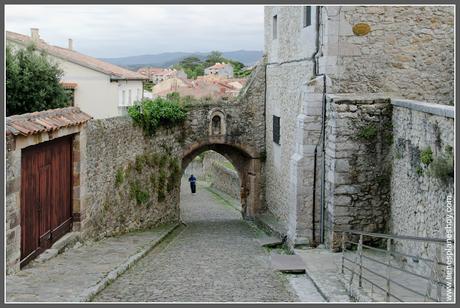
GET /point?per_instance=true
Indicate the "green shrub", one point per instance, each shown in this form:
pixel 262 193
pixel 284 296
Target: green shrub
pixel 139 163
pixel 368 132
pixel 426 156
pixel 152 114
pixel 119 177
pixel 137 193
pixel 174 175
pixel 442 167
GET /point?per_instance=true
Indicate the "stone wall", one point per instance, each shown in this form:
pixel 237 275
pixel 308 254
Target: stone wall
pixel 224 179
pixel 130 181
pixel 217 171
pixel 358 165
pixel 12 207
pixel 409 51
pixel 419 197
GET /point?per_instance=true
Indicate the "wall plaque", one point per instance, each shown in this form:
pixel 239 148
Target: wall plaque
pixel 361 29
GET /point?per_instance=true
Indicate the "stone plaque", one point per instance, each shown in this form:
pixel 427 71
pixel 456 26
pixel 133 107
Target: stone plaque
pixel 361 29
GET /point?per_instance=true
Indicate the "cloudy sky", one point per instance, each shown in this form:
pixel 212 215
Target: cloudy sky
pixel 122 30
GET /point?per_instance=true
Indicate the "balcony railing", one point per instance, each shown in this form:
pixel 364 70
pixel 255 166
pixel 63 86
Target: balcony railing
pixel 377 269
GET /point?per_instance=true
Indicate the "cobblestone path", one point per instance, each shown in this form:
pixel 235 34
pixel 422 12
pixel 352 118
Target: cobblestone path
pixel 214 259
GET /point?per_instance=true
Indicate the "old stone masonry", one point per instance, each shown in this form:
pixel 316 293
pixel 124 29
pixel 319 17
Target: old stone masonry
pixel 338 149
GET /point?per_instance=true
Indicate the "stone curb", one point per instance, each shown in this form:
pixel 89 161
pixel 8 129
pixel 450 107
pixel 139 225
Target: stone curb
pixel 324 289
pixel 90 292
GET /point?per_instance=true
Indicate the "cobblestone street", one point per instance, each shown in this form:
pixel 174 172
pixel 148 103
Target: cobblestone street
pixel 214 258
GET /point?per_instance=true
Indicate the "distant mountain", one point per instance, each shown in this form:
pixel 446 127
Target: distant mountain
pixel 166 59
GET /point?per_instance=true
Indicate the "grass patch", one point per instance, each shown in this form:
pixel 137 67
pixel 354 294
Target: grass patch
pixel 221 199
pixel 227 165
pixel 119 177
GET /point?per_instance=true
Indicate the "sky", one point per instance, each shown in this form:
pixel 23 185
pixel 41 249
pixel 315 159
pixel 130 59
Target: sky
pixel 127 30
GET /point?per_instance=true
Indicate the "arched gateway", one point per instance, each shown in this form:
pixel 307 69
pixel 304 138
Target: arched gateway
pixel 123 179
pixel 247 164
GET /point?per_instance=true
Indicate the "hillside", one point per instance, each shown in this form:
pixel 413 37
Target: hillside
pixel 247 57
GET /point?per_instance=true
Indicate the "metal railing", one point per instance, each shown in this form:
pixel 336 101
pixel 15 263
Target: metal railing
pixel 357 268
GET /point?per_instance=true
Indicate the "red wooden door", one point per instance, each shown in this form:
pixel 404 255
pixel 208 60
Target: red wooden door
pixel 46 207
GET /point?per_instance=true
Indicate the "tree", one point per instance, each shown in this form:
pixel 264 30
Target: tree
pixel 32 82
pixel 214 57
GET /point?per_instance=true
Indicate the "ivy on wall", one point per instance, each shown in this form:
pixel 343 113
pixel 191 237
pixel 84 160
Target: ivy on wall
pixel 161 171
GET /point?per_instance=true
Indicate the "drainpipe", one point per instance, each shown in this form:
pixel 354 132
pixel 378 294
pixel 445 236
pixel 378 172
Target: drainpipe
pixel 323 122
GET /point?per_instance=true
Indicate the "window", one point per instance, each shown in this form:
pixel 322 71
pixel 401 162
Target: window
pixel 276 129
pixel 129 97
pixel 306 16
pixel 275 27
pixel 123 98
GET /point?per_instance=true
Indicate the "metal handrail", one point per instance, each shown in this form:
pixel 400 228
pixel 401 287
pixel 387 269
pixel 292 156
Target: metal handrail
pixel 393 236
pixel 433 279
pixel 383 277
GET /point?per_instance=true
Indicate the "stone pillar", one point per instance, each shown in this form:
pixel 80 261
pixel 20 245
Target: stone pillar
pixel 302 166
pixel 13 208
pixel 251 189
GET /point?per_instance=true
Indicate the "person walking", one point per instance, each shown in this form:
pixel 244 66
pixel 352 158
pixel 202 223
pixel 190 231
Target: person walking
pixel 192 181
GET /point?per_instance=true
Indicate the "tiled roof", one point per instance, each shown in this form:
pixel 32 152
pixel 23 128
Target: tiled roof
pixel 147 71
pixel 45 121
pixel 156 71
pixel 218 65
pixel 69 85
pixel 116 72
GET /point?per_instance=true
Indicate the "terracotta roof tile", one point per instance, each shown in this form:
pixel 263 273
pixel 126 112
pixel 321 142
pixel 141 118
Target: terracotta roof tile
pixel 45 121
pixel 73 56
pixel 69 85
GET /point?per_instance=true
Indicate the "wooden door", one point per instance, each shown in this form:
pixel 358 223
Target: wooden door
pixel 46 207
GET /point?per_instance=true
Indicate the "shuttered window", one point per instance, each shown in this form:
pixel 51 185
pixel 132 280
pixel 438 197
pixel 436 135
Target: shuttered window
pixel 276 129
pixel 306 16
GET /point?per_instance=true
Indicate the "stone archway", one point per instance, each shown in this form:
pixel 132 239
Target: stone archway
pixel 245 162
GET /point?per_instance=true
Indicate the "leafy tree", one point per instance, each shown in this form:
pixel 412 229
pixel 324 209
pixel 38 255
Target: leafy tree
pixel 194 67
pixel 32 82
pixel 214 57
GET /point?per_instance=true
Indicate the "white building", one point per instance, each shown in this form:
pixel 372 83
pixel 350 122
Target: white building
pixel 101 89
pixel 220 69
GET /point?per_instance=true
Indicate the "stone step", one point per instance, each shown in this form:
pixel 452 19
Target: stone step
pixel 66 241
pixel 287 263
pixel 269 241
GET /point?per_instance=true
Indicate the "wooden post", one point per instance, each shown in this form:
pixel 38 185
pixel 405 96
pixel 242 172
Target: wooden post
pixel 387 293
pixel 360 252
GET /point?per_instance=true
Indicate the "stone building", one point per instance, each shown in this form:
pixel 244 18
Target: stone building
pixel 320 177
pixel 158 74
pixel 220 69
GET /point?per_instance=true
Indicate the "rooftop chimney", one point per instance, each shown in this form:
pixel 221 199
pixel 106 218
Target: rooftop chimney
pixel 70 44
pixel 34 34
